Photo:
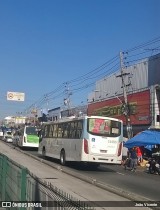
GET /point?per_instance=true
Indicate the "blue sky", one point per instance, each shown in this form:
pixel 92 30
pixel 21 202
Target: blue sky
pixel 45 43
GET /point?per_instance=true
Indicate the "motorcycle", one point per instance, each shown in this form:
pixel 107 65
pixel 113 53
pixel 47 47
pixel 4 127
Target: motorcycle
pixel 153 166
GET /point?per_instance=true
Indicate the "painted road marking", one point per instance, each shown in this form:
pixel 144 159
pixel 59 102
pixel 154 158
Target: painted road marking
pixel 120 173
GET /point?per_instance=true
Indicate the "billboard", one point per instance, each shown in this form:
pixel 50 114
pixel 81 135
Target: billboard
pixel 15 96
pixel 139 104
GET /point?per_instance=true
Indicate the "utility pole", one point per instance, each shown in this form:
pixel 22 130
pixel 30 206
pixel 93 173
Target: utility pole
pixel 67 100
pixel 125 106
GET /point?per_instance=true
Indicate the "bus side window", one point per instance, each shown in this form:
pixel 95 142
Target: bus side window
pixel 72 130
pixel 60 130
pixel 79 129
pixel 78 134
pixel 66 129
pixel 45 133
pixel 51 129
pixel 41 132
pixel 55 130
pixel 75 130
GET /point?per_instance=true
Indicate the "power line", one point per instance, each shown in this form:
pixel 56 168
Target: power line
pixel 157 39
pixel 82 82
pixel 95 70
pixel 60 88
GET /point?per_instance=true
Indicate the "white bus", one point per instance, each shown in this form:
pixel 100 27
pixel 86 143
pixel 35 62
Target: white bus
pixel 26 136
pixel 89 139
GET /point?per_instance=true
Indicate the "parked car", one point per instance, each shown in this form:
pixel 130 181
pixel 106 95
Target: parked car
pixel 1 134
pixel 8 137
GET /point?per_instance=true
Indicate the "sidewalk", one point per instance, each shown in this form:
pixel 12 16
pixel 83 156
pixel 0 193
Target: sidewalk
pixel 77 188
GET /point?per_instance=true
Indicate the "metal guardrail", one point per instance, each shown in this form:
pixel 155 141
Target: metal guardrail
pixel 20 189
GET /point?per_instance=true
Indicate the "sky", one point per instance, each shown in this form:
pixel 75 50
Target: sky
pixel 48 46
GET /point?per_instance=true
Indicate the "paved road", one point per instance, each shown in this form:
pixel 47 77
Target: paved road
pixel 140 182
pixel 76 187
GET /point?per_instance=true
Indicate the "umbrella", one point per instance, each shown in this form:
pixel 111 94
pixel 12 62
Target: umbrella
pixel 148 137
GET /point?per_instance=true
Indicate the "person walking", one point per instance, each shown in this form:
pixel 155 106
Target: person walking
pixel 139 155
pixel 133 157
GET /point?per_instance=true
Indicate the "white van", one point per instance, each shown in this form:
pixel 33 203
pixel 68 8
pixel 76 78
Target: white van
pixel 8 136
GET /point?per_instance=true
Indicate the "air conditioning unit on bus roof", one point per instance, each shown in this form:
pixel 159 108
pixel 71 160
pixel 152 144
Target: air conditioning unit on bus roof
pixel 66 118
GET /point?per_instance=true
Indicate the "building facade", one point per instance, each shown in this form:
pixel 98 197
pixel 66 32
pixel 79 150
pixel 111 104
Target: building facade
pixel 142 83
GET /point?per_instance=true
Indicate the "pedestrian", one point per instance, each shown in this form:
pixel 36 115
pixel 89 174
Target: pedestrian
pixel 139 154
pixel 133 157
pixel 124 152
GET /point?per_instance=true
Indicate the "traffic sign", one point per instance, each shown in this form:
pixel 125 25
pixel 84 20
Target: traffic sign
pixel 15 96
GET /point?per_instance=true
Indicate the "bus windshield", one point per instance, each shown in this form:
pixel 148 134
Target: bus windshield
pixel 31 131
pixel 104 127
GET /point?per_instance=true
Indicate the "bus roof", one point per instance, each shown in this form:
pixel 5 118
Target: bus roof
pixel 73 118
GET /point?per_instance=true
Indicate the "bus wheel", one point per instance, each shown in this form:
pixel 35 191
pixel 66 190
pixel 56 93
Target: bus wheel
pixel 43 152
pixel 62 157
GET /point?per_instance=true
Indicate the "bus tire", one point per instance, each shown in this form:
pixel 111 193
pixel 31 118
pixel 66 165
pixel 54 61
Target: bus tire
pixel 62 158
